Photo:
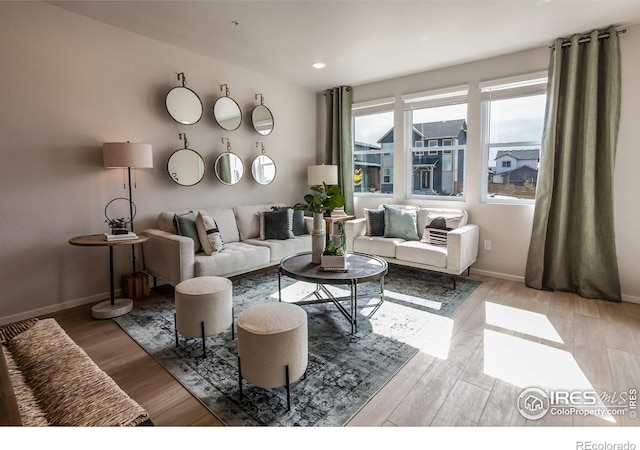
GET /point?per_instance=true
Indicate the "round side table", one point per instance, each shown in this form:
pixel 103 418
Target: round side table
pixel 113 307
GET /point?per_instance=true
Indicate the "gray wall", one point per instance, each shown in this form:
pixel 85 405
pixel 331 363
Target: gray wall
pixel 68 85
pixel 509 226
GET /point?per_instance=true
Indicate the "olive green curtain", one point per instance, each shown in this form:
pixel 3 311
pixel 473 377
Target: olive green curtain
pixel 339 139
pixel 573 246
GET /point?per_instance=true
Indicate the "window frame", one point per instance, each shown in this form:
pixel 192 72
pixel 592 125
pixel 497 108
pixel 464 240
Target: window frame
pixel 367 108
pixel 526 85
pixel 432 99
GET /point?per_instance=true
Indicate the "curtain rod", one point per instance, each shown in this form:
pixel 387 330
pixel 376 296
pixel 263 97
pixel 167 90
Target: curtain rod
pixel 587 38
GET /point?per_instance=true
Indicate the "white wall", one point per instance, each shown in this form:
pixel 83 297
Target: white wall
pixel 509 226
pixel 68 85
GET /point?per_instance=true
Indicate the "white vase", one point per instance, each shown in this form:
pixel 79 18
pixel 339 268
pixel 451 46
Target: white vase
pixel 317 238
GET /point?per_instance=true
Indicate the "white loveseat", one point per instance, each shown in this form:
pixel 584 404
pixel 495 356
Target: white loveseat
pixel 459 253
pixel 172 257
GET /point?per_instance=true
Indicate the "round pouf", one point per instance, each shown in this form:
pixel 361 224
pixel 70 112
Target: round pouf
pixel 204 306
pixel 272 336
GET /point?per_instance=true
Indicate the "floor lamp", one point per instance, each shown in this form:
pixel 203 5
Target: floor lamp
pixel 128 155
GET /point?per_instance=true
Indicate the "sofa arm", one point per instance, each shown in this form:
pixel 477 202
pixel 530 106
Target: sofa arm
pixel 354 228
pixel 462 247
pixel 168 256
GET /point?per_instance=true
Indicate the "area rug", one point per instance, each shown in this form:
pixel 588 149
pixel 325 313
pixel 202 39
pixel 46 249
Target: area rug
pixel 345 370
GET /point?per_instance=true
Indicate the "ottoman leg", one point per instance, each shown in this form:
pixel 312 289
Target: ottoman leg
pixel 204 342
pixel 175 326
pixel 240 378
pixel 286 370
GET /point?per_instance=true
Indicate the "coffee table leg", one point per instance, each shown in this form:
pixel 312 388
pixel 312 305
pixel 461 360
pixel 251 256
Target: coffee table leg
pixel 279 285
pixel 354 312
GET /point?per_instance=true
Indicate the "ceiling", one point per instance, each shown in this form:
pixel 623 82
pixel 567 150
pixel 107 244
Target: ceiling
pixel 360 41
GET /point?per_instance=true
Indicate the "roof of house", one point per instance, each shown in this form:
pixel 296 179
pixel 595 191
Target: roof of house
pixel 442 129
pixel 367 145
pixel 520 154
pixel 436 130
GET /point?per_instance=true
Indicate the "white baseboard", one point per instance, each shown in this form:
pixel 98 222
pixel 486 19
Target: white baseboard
pixel 502 276
pixel 630 299
pixel 56 308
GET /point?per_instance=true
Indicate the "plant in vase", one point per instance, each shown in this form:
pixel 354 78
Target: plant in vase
pixel 118 226
pixel 324 199
pixel 334 255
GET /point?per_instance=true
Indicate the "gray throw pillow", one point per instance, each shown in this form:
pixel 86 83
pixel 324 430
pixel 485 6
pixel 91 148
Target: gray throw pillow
pixel 375 221
pixel 298 219
pixel 276 224
pixel 186 226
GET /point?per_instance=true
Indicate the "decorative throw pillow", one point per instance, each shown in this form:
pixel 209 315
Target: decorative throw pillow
pixel 400 223
pixel 375 221
pixel 276 224
pixel 298 219
pixel 209 234
pixel 186 226
pixel 436 232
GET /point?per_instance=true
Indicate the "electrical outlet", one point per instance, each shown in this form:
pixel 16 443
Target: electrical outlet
pixel 487 244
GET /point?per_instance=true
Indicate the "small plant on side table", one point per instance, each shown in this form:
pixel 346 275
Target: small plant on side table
pixel 118 226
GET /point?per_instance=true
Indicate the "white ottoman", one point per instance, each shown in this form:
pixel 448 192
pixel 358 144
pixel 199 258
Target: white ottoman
pixel 273 347
pixel 204 307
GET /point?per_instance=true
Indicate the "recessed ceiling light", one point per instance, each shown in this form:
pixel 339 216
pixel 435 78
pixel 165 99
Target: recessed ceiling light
pixel 319 65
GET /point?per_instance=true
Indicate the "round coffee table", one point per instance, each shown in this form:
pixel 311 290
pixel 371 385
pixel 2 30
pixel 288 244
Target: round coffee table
pixel 360 268
pixel 113 307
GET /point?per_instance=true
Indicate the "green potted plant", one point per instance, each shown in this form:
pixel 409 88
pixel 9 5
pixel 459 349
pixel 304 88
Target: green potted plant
pixel 118 226
pixel 334 256
pixel 324 199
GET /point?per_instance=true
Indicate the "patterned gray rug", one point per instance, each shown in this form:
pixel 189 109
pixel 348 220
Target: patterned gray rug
pixel 344 370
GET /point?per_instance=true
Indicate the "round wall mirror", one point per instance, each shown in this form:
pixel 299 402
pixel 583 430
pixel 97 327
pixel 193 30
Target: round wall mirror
pixel 229 168
pixel 227 113
pixel 263 169
pixel 186 167
pixel 183 105
pixel 262 120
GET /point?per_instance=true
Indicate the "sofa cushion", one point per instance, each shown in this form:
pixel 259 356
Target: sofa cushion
pixel 419 252
pixel 276 224
pixel 237 257
pixel 375 221
pixel 278 249
pixel 209 234
pixel 377 245
pixel 186 226
pixel 248 220
pixel 226 221
pixel 400 223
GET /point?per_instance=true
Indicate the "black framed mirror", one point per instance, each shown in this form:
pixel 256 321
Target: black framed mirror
pixel 263 169
pixel 262 118
pixel 229 168
pixel 185 166
pixel 227 112
pixel 183 104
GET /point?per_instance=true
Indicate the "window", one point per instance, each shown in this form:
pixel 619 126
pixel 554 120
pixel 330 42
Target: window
pixel 373 147
pixel 418 144
pixel 512 120
pixel 440 119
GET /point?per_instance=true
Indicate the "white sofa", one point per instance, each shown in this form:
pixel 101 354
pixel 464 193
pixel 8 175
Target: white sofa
pixel 458 255
pixel 171 257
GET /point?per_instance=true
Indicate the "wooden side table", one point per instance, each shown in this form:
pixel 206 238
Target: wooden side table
pixel 113 307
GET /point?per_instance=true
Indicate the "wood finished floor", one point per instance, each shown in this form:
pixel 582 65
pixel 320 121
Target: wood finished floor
pixel 469 373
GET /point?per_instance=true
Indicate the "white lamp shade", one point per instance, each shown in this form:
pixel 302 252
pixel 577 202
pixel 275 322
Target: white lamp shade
pixel 322 174
pixel 127 154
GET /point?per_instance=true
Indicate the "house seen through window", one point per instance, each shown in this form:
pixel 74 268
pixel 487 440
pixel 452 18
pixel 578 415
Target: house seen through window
pixel 437 120
pixel 373 147
pixel 512 118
